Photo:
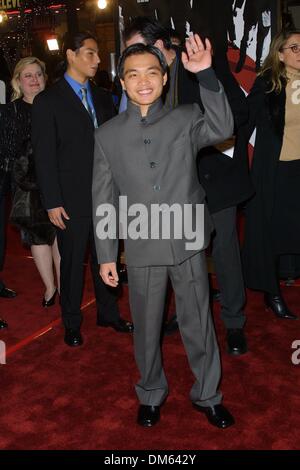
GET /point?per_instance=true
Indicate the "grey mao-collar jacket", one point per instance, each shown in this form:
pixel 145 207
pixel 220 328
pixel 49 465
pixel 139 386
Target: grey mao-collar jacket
pixel 151 163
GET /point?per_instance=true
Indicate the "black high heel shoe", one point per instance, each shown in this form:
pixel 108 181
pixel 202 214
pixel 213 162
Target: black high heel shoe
pixel 278 306
pixel 50 302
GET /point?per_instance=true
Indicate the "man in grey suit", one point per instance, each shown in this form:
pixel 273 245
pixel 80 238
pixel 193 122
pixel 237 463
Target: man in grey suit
pixel 152 163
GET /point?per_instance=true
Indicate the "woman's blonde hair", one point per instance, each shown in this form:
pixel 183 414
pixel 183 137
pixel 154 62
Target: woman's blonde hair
pixel 15 82
pixel 272 65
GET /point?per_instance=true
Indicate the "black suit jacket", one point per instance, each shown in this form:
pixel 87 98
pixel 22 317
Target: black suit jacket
pixel 63 144
pixel 226 180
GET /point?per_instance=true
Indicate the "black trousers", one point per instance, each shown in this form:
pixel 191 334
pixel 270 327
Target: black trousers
pixel 72 245
pixel 227 261
pixel 4 186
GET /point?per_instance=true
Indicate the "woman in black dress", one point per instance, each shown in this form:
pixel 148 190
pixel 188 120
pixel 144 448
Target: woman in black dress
pixel 273 215
pixel 28 80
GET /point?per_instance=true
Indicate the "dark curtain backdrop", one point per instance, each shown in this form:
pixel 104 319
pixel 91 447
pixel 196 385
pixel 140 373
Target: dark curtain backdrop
pixel 213 18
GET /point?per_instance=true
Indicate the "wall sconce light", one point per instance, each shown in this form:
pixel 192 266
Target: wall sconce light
pixel 102 4
pixel 3 16
pixel 52 44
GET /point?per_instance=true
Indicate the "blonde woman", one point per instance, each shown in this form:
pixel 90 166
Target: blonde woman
pixel 28 80
pixel 272 216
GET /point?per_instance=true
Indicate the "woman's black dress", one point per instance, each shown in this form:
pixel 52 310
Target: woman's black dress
pixel 16 150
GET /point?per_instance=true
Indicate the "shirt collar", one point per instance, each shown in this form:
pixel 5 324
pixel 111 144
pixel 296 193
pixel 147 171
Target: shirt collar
pixel 76 85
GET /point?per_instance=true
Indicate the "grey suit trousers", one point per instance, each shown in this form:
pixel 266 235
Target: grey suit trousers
pixel 147 291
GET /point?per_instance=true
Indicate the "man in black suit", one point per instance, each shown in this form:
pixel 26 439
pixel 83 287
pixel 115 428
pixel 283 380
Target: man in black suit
pixel 63 121
pixel 226 181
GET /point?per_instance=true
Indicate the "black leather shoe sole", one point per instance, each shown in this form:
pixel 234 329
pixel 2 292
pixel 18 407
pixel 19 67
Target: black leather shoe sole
pixel 285 316
pixel 148 415
pixel 122 326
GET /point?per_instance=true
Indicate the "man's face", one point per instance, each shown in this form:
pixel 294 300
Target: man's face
pixel 84 62
pixel 143 79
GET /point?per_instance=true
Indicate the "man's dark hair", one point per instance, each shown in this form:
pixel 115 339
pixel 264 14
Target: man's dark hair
pixel 150 30
pixel 136 49
pixel 74 41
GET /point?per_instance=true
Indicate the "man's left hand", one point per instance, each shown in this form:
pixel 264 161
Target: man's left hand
pixel 109 274
pixel 197 57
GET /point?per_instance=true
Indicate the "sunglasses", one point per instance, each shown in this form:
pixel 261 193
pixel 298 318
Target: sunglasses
pixel 294 48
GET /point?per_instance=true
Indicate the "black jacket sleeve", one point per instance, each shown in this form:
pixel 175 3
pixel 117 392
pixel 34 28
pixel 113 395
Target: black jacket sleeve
pixel 44 141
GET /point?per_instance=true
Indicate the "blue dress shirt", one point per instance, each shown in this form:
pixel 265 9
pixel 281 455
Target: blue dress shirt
pixel 76 86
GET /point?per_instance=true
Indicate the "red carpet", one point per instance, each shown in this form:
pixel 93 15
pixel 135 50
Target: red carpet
pixel 54 397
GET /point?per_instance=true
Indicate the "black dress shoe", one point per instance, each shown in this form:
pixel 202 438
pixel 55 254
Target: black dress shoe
pixel 216 415
pixel 215 295
pixel 278 306
pixel 120 325
pixel 148 415
pixel 171 326
pixel 3 324
pixel 236 341
pixel 73 337
pixel 51 301
pixel 7 293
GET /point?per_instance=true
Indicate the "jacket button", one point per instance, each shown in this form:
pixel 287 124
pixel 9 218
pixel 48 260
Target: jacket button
pixel 152 164
pixel 207 176
pixel 156 187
